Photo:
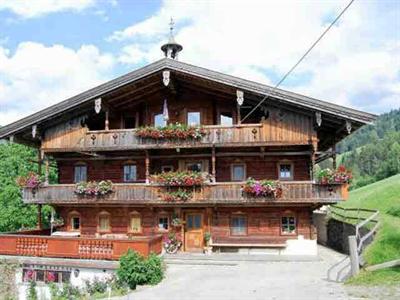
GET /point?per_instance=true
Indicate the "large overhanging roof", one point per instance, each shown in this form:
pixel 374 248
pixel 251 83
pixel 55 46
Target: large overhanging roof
pixel 174 65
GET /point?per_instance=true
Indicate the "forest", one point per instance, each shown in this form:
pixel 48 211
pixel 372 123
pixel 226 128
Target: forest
pixel 372 153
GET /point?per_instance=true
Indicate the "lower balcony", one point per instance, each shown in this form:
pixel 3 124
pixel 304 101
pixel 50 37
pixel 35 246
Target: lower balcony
pixel 224 193
pixel 39 243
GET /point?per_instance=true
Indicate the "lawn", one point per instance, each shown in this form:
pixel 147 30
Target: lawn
pixel 384 196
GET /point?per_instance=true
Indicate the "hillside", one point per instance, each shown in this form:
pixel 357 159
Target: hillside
pixel 384 196
pixel 373 151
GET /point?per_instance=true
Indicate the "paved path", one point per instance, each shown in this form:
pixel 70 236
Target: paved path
pixel 248 280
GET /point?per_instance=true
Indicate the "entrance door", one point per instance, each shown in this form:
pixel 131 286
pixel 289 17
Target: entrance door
pixel 194 232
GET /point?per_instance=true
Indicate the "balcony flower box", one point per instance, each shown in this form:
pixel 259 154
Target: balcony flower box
pixel 186 178
pixel 339 176
pixel 31 181
pixel 93 188
pixel 177 196
pixel 173 132
pixel 262 188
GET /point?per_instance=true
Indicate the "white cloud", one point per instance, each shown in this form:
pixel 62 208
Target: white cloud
pixel 258 39
pixel 35 76
pixel 37 8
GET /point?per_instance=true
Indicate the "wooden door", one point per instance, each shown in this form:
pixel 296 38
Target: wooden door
pixel 194 232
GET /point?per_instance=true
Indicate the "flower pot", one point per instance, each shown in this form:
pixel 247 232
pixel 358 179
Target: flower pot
pixel 345 191
pixel 207 250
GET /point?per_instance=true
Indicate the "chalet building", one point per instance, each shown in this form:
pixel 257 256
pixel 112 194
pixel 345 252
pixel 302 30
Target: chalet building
pixel 109 133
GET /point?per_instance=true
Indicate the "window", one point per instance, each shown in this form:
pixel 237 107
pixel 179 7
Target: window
pixel 167 169
pixel 285 171
pixel 194 166
pixel 104 221
pixel 41 275
pixel 129 122
pixel 193 118
pixel 238 225
pixel 130 173
pixel 80 173
pixel 75 222
pixel 238 172
pixel 159 120
pixel 226 119
pixel 288 225
pixel 135 225
pixel 163 223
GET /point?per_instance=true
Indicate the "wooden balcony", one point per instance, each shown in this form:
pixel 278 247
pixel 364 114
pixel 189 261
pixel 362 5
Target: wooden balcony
pixel 37 244
pixel 225 193
pixel 218 136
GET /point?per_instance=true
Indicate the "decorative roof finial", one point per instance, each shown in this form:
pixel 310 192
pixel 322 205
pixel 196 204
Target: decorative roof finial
pixel 171 48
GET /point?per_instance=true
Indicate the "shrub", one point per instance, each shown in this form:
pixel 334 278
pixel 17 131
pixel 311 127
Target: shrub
pixel 394 211
pixel 135 270
pixel 97 286
pixel 32 294
pixel 64 292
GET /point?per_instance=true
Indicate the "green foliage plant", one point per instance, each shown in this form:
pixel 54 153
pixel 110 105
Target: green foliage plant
pixel 32 294
pixel 135 270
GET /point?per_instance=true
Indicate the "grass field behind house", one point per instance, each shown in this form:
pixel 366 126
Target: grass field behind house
pixel 384 196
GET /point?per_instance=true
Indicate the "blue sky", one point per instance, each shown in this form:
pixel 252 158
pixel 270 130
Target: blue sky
pixel 53 49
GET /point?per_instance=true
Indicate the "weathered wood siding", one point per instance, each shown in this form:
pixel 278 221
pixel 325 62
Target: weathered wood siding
pixel 256 167
pixel 277 127
pixel 261 222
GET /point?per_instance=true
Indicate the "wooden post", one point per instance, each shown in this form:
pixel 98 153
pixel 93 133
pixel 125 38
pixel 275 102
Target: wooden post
pixel 46 171
pixel 40 161
pixel 107 123
pixel 334 155
pixel 213 161
pixel 313 154
pixel 239 117
pixel 147 166
pixel 39 217
pixel 354 259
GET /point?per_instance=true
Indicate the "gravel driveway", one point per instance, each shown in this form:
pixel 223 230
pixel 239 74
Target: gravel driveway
pixel 248 280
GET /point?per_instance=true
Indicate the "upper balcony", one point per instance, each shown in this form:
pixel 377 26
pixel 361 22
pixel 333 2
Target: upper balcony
pixel 261 134
pixel 221 193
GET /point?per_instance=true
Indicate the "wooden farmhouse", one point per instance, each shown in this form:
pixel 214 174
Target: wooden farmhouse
pixel 169 148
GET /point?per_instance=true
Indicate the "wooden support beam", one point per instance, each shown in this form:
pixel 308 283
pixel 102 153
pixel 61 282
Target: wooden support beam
pixel 46 171
pixel 213 162
pixel 40 161
pixel 39 217
pixel 147 166
pixel 107 123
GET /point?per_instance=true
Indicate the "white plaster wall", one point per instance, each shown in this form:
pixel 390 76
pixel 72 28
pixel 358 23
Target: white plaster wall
pixel 43 291
pixel 300 246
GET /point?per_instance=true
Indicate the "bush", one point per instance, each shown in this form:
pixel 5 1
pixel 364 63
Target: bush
pixel 394 211
pixel 135 270
pixel 64 292
pixel 97 286
pixel 32 294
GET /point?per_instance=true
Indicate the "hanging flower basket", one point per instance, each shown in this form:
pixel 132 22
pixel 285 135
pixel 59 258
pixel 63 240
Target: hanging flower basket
pixel 339 176
pixel 262 188
pixel 177 196
pixel 93 188
pixel 171 131
pixel 186 178
pixel 31 181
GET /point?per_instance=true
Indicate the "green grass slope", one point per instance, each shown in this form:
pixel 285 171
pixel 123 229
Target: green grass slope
pixel 384 196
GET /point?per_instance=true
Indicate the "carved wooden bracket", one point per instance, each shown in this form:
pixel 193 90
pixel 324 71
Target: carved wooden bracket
pixel 166 77
pixel 34 130
pixel 239 97
pixel 318 118
pixel 97 105
pixel 115 136
pixel 348 126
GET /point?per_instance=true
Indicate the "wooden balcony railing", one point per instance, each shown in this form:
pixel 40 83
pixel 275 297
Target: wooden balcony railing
pixel 213 193
pixel 76 247
pixel 216 135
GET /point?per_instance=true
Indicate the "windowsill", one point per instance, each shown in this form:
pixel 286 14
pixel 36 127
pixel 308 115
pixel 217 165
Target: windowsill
pixel 289 234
